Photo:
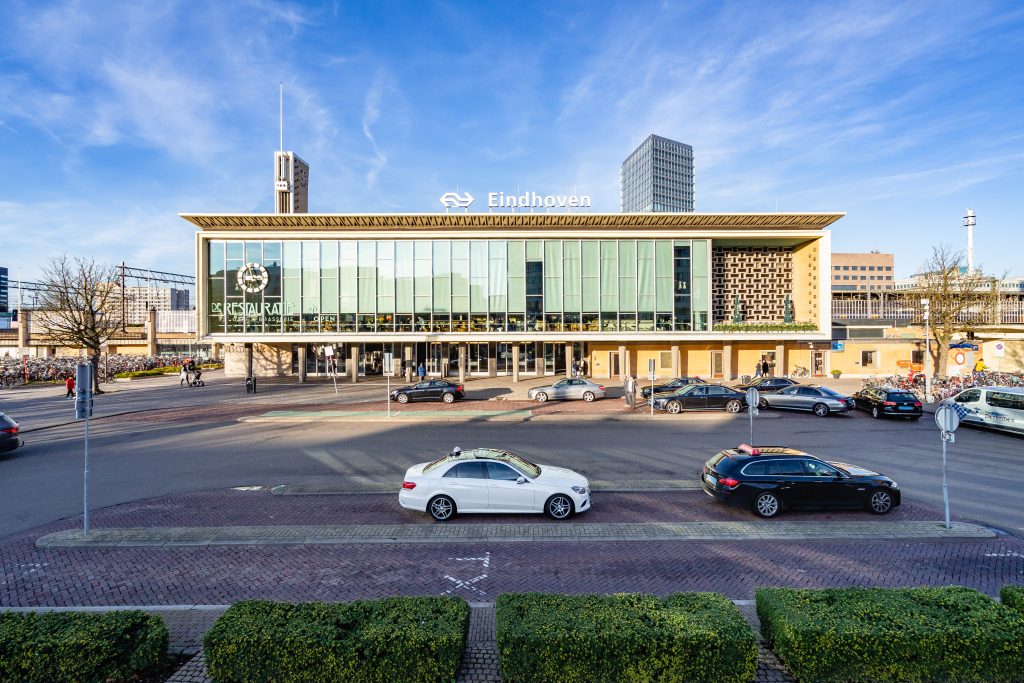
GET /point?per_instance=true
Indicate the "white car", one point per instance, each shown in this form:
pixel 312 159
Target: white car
pixel 492 480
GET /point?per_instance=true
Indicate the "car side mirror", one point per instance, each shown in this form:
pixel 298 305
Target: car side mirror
pixel 521 480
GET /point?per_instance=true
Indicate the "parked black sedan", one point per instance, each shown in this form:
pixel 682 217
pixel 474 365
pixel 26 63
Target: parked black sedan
pixel 769 385
pixel 9 439
pixel 429 390
pixel 889 402
pixel 671 385
pixel 700 397
pixel 768 479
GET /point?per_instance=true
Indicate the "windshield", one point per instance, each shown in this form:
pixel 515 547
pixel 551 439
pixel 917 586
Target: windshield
pixel 902 396
pixel 519 462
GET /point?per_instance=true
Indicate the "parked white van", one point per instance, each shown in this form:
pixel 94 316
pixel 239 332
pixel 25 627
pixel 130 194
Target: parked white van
pixel 995 407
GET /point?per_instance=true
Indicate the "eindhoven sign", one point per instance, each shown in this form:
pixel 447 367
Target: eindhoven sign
pixel 528 200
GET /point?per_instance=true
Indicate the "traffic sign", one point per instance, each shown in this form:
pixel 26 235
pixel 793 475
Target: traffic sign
pixel 389 364
pixel 1000 349
pixel 83 391
pixel 753 397
pixel 650 369
pixel 947 419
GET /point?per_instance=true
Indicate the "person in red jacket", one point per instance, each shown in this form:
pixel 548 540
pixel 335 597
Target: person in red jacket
pixel 70 384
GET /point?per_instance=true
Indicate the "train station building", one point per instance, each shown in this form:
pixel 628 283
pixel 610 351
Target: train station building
pixel 516 294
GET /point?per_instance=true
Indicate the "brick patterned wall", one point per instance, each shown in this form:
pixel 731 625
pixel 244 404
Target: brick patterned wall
pixel 762 276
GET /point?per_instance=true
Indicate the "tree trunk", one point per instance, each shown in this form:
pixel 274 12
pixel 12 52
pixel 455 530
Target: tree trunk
pixel 94 359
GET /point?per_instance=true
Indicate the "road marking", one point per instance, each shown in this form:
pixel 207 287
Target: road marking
pixel 469 584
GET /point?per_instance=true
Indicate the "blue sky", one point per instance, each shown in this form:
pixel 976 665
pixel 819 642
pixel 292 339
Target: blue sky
pixel 115 116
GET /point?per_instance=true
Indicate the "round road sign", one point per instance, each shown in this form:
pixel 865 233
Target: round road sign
pixel 752 397
pixel 947 419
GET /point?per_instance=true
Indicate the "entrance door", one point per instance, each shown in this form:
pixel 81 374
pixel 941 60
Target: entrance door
pixel 437 358
pixel 614 368
pixel 554 359
pixel 818 363
pixel 717 364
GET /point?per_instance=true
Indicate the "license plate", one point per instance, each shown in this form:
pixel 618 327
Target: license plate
pixel 709 479
pixel 906 408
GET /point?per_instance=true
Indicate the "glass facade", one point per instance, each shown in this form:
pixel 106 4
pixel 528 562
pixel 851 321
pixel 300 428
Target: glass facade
pixel 455 286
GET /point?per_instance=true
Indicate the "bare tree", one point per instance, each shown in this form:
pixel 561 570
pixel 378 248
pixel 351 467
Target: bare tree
pixel 80 306
pixel 960 301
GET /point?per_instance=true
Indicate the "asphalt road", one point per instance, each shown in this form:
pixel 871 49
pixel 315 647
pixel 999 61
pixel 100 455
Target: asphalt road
pixel 148 454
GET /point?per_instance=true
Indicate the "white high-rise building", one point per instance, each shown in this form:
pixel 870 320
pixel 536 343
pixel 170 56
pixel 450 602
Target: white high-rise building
pixel 658 177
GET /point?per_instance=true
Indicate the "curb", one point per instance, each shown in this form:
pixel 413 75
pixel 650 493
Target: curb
pixel 443 534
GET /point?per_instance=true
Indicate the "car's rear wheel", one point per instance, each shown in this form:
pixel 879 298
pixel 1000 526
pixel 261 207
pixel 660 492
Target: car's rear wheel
pixel 441 508
pixel 542 397
pixel 876 413
pixel 880 502
pixel 559 506
pixel 767 505
pixel 674 407
pixel 762 404
pixel 734 406
pixel 588 396
pixel 448 397
pixel 820 409
pixel 403 398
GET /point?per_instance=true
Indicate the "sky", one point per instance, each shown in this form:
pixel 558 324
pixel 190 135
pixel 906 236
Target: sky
pixel 117 116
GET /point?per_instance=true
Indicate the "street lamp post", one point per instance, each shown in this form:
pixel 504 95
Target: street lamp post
pixel 927 352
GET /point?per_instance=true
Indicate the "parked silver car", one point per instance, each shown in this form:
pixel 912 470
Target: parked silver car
pixel 568 388
pixel 819 400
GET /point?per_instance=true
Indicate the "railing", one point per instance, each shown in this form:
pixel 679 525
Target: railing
pixel 1009 311
pixel 176 321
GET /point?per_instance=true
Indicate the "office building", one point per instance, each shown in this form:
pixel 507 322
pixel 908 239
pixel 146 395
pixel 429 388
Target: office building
pixel 140 300
pixel 658 177
pixel 5 305
pixel 870 272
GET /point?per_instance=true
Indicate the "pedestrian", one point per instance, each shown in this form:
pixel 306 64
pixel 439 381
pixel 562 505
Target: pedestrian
pixel 631 392
pixel 421 372
pixel 765 367
pixel 583 367
pixel 69 384
pixel 757 368
pixel 575 368
pixel 979 367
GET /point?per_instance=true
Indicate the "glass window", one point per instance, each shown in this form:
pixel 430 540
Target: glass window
pixel 819 469
pixel 969 396
pixel 755 469
pixel 495 470
pixel 1003 399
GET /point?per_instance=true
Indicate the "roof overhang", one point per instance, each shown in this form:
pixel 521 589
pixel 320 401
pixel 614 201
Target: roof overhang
pixel 540 222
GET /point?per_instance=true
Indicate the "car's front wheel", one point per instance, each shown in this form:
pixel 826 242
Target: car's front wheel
pixel 820 409
pixel 767 505
pixel 559 506
pixel 674 407
pixel 588 396
pixel 880 502
pixel 876 413
pixel 441 508
pixel 448 397
pixel 402 398
pixel 542 397
pixel 734 406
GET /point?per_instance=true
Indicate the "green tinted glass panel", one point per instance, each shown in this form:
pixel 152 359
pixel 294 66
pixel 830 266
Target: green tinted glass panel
pixel 663 258
pixel 347 250
pixel 254 252
pixel 663 294
pixel 609 279
pixel 699 258
pixel 627 259
pixel 534 250
pixel 591 259
pixel 591 295
pixel 517 259
pixel 645 277
pixel 627 293
pixel 235 251
pixel 329 296
pixel 292 259
pixel 367 293
pixel 645 249
pixel 442 294
pixel 216 258
pixel 571 278
pixel 517 294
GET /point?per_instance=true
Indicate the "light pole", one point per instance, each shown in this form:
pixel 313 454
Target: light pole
pixel 927 352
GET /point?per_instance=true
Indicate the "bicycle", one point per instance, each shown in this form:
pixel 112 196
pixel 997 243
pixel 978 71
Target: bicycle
pixel 800 371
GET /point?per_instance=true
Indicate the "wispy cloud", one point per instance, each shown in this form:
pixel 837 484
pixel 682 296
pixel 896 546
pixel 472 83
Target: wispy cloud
pixel 371 113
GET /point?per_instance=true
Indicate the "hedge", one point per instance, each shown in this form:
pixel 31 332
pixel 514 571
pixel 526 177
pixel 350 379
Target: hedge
pixel 402 639
pixel 879 634
pixel 85 647
pixel 1013 596
pixel 626 637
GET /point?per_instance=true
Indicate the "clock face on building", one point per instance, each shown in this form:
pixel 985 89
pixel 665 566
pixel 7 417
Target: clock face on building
pixel 253 278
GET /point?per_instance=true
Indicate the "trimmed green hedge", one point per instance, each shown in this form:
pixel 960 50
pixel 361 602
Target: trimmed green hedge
pixel 905 634
pixel 766 327
pixel 626 637
pixel 1013 596
pixel 155 372
pixel 403 639
pixel 86 647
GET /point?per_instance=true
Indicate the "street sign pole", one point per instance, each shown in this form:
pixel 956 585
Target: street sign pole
pixel 389 369
pixel 753 398
pixel 83 410
pixel 650 373
pixel 948 420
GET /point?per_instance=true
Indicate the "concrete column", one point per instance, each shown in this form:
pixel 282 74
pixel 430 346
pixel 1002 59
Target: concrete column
pixel 677 370
pixel 515 362
pixel 780 360
pixel 492 360
pixel 151 333
pixel 248 360
pixel 462 363
pixel 301 352
pixel 568 359
pixel 407 355
pixel 727 361
pixel 354 362
pixel 623 363
pixel 24 330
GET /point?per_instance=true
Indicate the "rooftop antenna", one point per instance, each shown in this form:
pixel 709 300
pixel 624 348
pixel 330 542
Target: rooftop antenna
pixel 281 114
pixel 969 222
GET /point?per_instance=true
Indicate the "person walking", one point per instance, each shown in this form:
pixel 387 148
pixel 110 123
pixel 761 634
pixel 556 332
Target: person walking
pixel 421 372
pixel 583 367
pixel 631 392
pixel 757 368
pixel 69 384
pixel 765 368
